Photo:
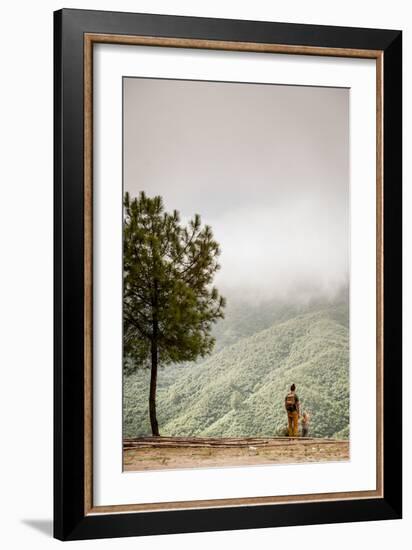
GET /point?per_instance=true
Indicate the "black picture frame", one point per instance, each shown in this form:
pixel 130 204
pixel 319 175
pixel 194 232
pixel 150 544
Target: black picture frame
pixel 70 520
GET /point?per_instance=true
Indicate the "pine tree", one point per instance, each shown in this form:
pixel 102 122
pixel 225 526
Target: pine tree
pixel 169 305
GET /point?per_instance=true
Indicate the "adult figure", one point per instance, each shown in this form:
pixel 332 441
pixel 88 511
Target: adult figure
pixel 293 411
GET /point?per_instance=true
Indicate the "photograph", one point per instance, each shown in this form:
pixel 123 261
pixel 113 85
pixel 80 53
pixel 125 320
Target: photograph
pixel 227 273
pixel 236 274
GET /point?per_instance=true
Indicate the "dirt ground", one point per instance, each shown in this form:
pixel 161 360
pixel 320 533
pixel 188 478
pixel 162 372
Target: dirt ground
pixel 176 453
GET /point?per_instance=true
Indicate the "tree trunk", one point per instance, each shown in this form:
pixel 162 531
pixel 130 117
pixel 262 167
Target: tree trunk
pixel 152 393
pixel 155 360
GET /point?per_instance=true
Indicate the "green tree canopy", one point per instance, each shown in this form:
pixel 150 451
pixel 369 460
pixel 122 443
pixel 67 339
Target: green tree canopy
pixel 169 303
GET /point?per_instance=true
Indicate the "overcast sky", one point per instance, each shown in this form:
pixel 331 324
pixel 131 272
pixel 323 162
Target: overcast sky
pixel 267 166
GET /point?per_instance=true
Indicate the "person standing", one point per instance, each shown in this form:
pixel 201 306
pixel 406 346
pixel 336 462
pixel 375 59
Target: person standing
pixel 292 409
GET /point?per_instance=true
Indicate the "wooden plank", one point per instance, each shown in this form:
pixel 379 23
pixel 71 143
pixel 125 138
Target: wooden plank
pixel 193 442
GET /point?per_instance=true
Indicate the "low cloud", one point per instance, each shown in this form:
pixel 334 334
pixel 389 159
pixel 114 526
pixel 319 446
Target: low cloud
pixel 282 253
pixel 266 166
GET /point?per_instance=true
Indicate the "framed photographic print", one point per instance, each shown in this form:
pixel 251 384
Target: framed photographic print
pixel 227 274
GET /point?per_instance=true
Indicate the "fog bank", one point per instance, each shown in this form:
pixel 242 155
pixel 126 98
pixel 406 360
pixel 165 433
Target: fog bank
pixel 266 166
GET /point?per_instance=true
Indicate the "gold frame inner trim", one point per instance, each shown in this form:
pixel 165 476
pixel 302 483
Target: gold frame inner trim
pixel 89 40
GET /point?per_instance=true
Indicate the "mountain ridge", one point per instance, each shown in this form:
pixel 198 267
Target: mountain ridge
pixel 239 390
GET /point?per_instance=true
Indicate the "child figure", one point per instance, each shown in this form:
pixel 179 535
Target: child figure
pixel 305 424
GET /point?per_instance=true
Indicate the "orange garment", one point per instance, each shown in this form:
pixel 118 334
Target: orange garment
pixel 293 424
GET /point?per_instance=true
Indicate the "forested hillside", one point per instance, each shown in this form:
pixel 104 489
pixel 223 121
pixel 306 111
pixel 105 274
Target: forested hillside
pixel 240 389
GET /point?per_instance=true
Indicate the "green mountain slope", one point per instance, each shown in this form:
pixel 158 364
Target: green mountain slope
pixel 239 390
